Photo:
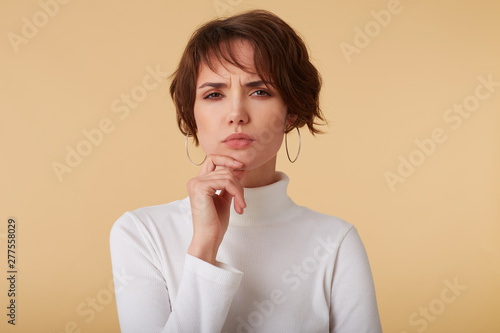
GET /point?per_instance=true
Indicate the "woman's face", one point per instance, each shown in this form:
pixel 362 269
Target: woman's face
pixel 239 115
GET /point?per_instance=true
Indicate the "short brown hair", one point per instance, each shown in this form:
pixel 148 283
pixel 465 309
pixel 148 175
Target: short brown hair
pixel 280 58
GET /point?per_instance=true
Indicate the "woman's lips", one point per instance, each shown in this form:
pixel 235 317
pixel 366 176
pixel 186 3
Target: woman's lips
pixel 238 140
pixel 238 143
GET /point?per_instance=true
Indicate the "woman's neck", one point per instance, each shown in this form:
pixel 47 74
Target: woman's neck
pixel 260 176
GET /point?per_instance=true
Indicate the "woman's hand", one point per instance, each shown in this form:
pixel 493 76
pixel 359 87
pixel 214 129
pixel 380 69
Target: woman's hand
pixel 210 210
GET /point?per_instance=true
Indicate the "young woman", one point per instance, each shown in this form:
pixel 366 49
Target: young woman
pixel 237 254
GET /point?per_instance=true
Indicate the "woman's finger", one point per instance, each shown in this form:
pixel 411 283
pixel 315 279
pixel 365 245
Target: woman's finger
pixel 214 161
pixel 239 200
pixel 225 180
pixel 220 180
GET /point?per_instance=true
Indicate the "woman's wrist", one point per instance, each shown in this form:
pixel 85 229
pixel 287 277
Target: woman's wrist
pixel 205 251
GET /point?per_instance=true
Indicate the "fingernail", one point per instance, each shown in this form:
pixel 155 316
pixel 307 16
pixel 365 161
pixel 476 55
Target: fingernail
pixel 237 163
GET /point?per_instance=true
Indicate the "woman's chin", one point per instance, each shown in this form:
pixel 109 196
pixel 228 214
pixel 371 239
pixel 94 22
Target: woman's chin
pixel 239 173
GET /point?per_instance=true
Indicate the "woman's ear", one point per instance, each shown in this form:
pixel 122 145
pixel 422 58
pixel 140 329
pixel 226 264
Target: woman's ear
pixel 290 119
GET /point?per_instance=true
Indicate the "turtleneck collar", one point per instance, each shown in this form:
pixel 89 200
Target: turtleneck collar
pixel 265 204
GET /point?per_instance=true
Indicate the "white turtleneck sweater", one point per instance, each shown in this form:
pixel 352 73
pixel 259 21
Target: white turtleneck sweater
pixel 280 268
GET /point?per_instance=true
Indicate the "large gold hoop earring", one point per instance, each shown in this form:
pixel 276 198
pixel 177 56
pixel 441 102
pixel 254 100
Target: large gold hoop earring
pixel 187 152
pixel 286 146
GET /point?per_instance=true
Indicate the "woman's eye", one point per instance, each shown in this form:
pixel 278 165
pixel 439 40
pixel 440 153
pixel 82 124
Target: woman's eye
pixel 261 93
pixel 212 96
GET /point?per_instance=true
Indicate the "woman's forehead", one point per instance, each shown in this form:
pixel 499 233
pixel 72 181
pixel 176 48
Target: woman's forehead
pixel 233 58
pixel 225 72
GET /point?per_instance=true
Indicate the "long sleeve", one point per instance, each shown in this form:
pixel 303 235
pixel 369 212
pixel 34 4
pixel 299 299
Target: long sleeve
pixel 203 297
pixel 304 271
pixel 354 305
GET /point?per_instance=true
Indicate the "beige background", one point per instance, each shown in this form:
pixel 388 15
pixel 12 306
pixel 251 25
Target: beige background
pixel 440 224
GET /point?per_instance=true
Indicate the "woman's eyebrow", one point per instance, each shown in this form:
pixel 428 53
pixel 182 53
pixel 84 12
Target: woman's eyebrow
pixel 250 84
pixel 213 84
pixel 253 84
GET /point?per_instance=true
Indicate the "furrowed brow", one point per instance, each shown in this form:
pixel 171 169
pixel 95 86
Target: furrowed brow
pixel 213 85
pixel 219 85
pixel 259 83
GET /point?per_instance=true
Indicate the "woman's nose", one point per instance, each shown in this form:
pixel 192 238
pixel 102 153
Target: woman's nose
pixel 238 113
